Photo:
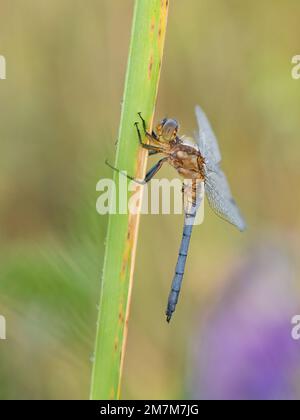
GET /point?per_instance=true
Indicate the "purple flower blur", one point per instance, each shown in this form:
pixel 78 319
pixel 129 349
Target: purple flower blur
pixel 244 350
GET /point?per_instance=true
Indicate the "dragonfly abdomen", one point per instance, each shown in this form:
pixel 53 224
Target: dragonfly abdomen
pixel 180 268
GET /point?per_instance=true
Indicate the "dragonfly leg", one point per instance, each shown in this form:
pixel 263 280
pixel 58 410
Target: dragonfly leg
pixel 150 174
pixel 153 134
pixel 145 145
pixel 143 122
pixel 122 173
pixel 153 152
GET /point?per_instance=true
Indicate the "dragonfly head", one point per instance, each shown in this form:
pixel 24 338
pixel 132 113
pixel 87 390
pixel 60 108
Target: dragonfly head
pixel 167 129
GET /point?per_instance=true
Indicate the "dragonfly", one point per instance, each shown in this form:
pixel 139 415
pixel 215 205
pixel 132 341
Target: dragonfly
pixel 199 165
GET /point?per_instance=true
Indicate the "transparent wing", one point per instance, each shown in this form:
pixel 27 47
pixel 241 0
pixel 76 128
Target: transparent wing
pixel 216 186
pixel 220 198
pixel 206 139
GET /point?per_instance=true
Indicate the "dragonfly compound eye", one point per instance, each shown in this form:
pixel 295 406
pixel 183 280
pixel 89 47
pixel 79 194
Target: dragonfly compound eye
pixel 169 129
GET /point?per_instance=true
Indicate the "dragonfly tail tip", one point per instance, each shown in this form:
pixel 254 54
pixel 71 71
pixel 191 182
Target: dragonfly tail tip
pixel 169 316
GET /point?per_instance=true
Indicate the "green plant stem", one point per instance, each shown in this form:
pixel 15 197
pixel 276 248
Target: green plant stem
pixel 141 86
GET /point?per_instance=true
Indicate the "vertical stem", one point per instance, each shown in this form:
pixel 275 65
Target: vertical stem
pixel 141 86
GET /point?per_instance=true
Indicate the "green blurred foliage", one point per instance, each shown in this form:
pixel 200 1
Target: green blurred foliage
pixel 59 114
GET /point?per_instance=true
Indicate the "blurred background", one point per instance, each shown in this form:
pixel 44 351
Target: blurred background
pixel 59 116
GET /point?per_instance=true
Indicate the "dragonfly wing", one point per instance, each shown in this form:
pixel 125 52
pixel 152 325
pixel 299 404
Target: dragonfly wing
pixel 206 139
pixel 220 198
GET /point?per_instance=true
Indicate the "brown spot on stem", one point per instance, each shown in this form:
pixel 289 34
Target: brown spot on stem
pixel 152 25
pixel 121 313
pixel 112 394
pixel 116 344
pixel 150 67
pixel 121 318
pixel 124 265
pixel 132 222
pixel 162 24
